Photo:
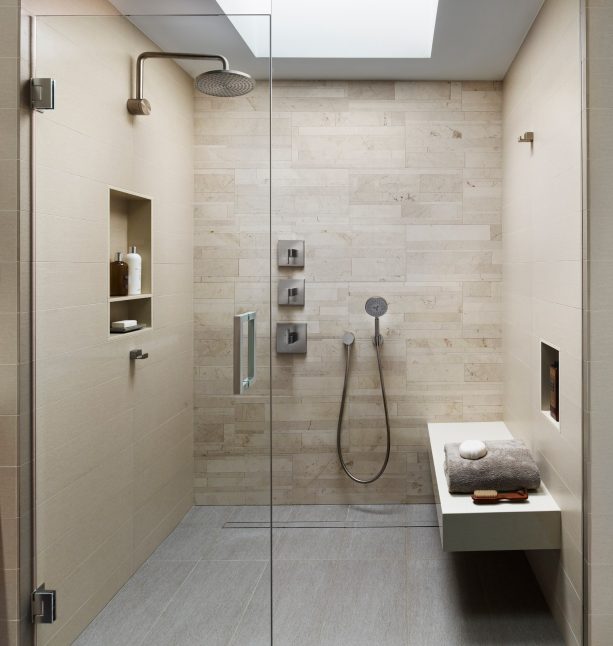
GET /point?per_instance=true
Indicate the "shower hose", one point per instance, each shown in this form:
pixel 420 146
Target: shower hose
pixel 339 428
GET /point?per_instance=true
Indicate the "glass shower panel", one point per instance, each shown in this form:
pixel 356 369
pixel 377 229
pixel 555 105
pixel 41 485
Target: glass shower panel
pixel 339 187
pixel 153 444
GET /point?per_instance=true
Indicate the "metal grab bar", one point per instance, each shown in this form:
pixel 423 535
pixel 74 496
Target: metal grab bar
pixel 241 384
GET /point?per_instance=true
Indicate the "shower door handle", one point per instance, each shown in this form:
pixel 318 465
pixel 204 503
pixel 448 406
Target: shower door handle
pixel 241 384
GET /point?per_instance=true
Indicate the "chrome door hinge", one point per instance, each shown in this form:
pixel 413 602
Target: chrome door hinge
pixel 43 605
pixel 42 94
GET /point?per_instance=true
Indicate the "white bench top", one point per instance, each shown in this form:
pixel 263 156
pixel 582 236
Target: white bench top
pixel 466 526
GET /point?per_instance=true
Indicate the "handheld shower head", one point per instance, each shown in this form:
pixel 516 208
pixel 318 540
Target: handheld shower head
pixel 376 306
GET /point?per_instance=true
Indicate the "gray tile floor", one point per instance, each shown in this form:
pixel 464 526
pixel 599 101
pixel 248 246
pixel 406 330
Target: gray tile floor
pixel 366 576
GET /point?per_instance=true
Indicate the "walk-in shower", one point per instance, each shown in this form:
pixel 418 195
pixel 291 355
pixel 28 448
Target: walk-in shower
pixel 224 82
pixel 168 508
pixel 377 307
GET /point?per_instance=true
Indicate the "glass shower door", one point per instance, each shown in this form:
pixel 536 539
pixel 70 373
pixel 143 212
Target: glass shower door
pixel 152 468
pixel 232 334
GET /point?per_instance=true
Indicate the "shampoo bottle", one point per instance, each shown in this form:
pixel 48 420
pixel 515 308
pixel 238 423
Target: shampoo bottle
pixel 119 276
pixel 134 271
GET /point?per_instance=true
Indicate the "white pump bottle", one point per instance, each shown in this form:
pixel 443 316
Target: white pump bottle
pixel 134 262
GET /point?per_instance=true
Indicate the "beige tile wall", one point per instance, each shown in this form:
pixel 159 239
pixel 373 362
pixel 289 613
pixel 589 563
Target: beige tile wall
pixel 599 316
pixel 10 611
pixel 396 189
pixel 114 440
pixel 542 225
pixel 15 366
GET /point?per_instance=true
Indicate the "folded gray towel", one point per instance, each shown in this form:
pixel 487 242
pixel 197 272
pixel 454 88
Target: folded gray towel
pixel 508 466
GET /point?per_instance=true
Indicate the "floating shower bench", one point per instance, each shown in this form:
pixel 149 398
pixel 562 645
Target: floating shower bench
pixel 465 526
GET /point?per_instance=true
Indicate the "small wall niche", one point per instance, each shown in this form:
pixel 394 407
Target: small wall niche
pixel 550 383
pixel 130 225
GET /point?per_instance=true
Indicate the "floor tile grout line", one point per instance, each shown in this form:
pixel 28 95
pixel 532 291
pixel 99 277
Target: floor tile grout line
pixel 163 610
pixel 255 587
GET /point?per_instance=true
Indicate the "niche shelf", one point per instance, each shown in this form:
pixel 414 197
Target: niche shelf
pixel 134 297
pixel 130 225
pixel 550 355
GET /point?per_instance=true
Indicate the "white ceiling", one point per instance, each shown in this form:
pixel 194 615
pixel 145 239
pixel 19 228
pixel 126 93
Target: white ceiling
pixel 473 40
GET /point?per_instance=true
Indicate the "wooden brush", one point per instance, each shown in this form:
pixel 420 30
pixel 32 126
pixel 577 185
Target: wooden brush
pixel 485 496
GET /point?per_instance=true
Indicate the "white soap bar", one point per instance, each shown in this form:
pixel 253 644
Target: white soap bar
pixel 473 449
pixel 122 325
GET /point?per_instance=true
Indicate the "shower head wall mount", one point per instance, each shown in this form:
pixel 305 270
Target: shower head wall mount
pixel 348 338
pixel 224 82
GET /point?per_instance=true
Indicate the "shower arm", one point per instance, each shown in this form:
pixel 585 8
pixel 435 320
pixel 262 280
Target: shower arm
pixel 140 105
pixel 140 64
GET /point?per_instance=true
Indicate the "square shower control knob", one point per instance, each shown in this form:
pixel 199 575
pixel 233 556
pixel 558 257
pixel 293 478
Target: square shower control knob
pixel 290 253
pixel 291 338
pixel 290 291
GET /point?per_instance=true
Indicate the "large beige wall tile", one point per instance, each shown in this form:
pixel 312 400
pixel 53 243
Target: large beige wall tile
pixel 9 84
pixel 9 133
pixel 600 629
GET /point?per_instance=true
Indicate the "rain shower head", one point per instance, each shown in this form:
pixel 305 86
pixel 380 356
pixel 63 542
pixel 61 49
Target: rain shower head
pixel 224 82
pixel 376 306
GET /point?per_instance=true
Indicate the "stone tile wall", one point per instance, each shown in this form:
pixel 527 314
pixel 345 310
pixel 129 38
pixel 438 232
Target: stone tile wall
pixel 396 189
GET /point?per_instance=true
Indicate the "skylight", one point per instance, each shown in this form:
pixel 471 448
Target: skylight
pixel 339 28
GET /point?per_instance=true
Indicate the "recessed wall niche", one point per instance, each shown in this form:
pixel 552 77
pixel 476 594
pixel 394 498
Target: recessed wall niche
pixel 550 383
pixel 130 225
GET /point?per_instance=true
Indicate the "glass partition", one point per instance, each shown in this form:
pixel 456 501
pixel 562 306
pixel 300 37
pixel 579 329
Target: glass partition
pixel 152 222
